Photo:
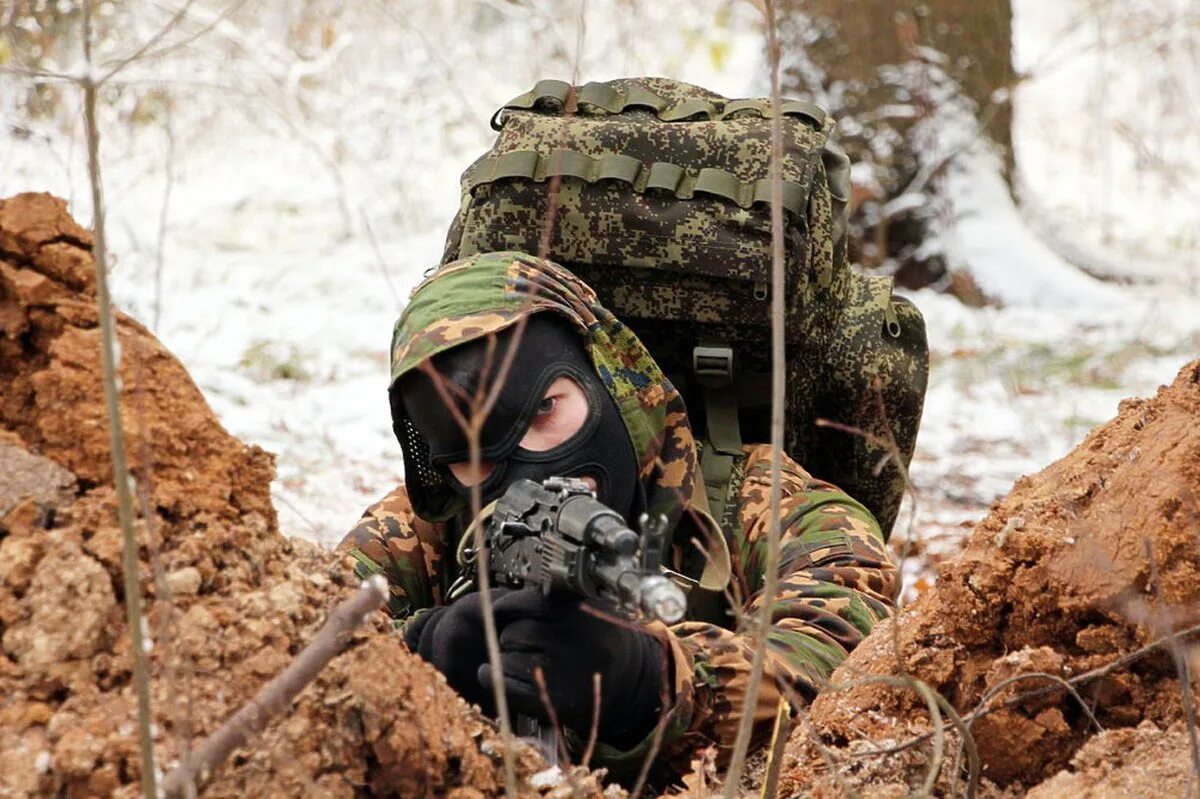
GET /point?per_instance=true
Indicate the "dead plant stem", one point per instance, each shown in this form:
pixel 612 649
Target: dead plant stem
pixel 594 730
pixel 1182 669
pixel 480 404
pixel 539 677
pixel 121 476
pixel 164 211
pixel 758 633
pixel 779 739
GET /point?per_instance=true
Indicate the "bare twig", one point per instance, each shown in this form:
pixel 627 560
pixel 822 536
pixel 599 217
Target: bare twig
pixel 39 74
pixel 169 170
pixel 121 476
pixel 778 368
pixel 660 730
pixel 215 20
pixel 278 694
pixel 539 677
pixel 594 731
pixel 779 738
pixel 966 742
pixel 1040 675
pixel 486 393
pixel 180 702
pixel 146 45
pixel 380 261
pixel 1182 669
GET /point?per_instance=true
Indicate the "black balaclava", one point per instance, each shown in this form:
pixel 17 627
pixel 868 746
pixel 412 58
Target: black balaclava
pixel 549 348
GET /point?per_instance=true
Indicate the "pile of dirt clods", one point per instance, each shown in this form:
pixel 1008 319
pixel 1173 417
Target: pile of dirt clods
pixel 232 600
pixel 1073 577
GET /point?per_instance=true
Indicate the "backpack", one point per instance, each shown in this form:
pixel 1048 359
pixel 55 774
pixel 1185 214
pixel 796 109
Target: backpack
pixel 656 194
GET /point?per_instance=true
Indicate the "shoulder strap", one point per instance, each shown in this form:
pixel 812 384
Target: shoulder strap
pixel 713 366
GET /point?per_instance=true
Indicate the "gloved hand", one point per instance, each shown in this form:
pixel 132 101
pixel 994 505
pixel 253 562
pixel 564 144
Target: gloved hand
pixel 451 638
pixel 570 644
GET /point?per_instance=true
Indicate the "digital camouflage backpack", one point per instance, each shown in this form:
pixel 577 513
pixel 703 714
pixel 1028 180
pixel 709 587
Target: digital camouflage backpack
pixel 656 193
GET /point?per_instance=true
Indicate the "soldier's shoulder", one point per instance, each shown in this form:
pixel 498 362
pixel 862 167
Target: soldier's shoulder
pixel 390 516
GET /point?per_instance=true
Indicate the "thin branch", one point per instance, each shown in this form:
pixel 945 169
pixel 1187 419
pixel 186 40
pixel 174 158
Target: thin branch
pixel 479 406
pixel 1182 669
pixel 205 28
pixel 779 738
pixel 1040 675
pixel 380 261
pixel 594 731
pixel 112 400
pixel 935 703
pixel 778 366
pixel 539 677
pixel 39 74
pixel 482 407
pixel 161 249
pixel 278 694
pixel 966 742
pixel 146 45
pixel 164 596
pixel 660 730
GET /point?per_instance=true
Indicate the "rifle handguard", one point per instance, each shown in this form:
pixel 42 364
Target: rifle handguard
pixel 558 536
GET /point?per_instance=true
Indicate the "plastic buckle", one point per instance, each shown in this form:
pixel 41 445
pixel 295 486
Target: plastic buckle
pixel 713 365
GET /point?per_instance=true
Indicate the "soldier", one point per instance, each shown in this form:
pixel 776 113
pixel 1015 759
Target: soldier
pixel 584 398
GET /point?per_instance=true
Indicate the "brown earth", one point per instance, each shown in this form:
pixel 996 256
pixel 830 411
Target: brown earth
pixel 1088 561
pixel 229 599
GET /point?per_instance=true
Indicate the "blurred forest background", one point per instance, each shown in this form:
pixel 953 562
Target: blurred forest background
pixel 279 175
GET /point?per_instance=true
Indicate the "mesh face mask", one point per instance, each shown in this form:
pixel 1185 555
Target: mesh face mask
pixel 432 439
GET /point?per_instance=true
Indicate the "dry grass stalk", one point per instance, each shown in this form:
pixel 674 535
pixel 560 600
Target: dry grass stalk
pixel 479 405
pixel 778 363
pixel 121 476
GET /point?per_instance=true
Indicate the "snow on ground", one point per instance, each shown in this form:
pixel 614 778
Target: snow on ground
pixel 1107 132
pixel 279 302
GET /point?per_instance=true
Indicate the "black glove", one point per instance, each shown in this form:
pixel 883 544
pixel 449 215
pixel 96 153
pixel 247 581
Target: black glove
pixel 571 644
pixel 451 638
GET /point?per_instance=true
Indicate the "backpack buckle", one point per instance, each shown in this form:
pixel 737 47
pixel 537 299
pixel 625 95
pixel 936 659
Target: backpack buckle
pixel 713 365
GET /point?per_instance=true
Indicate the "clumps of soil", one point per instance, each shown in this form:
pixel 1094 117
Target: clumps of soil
pixel 230 601
pixel 1141 761
pixel 1081 566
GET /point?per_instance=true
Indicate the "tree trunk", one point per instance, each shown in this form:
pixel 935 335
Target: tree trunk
pixel 908 81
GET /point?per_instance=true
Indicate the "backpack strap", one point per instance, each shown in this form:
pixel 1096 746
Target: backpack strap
pixel 713 366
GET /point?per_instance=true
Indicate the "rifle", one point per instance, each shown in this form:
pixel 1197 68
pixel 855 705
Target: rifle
pixel 558 537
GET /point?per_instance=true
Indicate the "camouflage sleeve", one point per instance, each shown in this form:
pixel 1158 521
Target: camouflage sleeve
pixel 390 540
pixel 836 581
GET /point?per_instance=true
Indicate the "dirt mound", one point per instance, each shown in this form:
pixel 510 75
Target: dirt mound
pixel 1080 566
pixel 230 601
pixel 1143 761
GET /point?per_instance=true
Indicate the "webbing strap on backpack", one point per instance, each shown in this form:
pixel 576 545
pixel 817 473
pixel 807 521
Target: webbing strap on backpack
pixel 713 367
pixel 606 98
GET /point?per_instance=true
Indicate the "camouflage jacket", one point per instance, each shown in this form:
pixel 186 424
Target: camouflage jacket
pixel 836 578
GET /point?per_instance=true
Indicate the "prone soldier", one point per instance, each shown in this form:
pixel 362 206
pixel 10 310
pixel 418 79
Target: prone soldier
pixel 582 398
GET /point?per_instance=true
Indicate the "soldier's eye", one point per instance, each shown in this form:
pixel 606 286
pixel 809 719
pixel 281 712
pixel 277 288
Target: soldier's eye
pixel 558 416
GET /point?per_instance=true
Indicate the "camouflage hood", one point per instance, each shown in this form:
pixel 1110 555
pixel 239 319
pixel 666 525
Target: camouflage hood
pixel 468 299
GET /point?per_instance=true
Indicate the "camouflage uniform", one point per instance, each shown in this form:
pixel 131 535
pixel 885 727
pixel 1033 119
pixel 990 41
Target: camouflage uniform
pixel 836 580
